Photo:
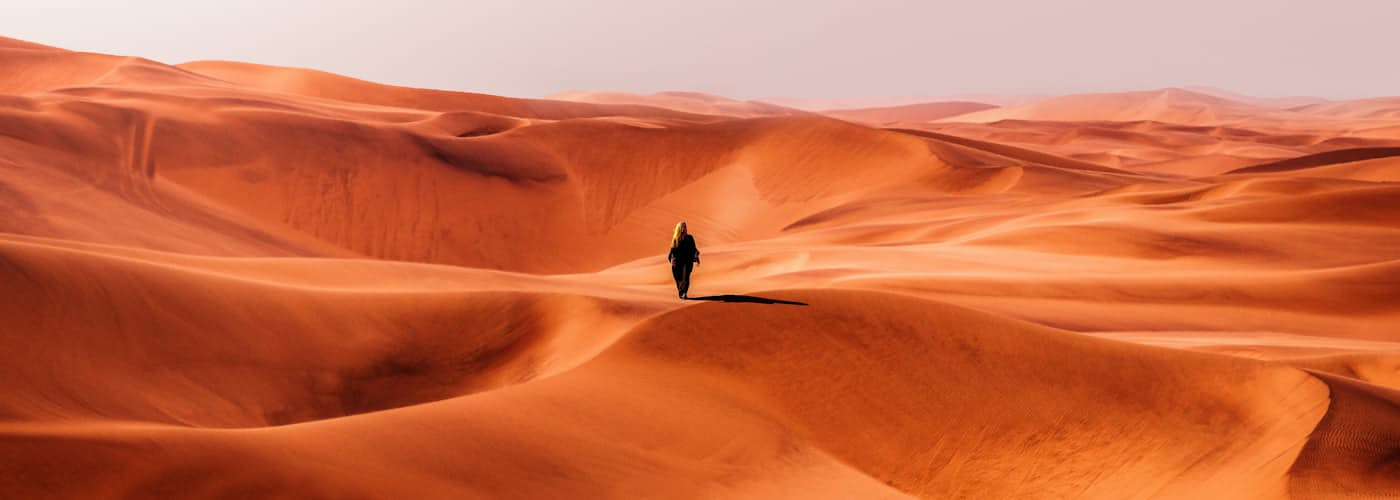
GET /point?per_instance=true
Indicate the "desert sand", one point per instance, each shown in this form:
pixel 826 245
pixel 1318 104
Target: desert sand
pixel 228 280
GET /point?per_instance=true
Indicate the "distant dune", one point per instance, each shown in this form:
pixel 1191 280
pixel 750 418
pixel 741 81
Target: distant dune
pixel 1329 158
pixel 690 102
pixel 1284 102
pixel 1383 108
pixel 922 112
pixel 1166 105
pixel 887 102
pixel 229 280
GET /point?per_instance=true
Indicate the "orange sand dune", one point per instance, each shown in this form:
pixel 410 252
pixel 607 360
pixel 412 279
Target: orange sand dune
pixel 690 102
pixel 324 85
pixel 1285 102
pixel 921 112
pixel 1387 108
pixel 1167 105
pixel 1331 158
pixel 1174 148
pixel 231 280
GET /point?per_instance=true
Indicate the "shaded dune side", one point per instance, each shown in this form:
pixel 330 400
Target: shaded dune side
pixel 1374 205
pixel 111 336
pixel 1320 159
pixel 1377 368
pixel 1355 450
pixel 1385 169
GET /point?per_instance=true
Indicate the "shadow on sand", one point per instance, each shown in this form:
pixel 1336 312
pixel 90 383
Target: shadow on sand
pixel 748 299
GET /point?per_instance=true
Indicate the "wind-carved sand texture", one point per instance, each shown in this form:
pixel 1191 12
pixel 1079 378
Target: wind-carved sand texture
pixel 226 280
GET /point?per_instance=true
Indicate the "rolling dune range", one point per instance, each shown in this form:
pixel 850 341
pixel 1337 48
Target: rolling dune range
pixel 222 279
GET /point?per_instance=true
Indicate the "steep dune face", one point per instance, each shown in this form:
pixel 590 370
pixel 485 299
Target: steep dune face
pixel 232 280
pixel 1351 454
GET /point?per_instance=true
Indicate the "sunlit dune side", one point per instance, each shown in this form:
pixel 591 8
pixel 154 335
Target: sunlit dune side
pixel 228 280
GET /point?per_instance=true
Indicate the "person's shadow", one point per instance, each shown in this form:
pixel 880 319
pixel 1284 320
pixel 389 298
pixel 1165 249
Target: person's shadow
pixel 752 299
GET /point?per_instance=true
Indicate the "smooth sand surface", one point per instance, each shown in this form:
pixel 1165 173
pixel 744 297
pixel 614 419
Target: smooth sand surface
pixel 227 280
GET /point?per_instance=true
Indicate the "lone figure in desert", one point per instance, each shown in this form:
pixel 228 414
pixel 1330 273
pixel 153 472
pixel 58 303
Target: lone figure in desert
pixel 683 256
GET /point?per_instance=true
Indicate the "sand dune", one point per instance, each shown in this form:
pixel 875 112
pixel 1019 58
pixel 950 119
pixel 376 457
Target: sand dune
pixel 690 102
pixel 1284 102
pixel 1167 105
pixel 1378 108
pixel 922 112
pixel 1329 158
pixel 223 279
pixel 322 85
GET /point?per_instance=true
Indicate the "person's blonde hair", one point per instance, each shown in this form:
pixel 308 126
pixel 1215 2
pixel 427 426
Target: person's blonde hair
pixel 676 234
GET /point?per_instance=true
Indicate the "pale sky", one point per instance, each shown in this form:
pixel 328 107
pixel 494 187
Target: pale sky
pixel 814 49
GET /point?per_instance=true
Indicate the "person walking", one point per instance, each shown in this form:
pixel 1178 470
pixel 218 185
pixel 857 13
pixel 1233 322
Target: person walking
pixel 684 256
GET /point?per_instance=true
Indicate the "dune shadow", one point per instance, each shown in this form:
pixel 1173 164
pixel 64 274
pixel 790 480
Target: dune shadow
pixel 751 299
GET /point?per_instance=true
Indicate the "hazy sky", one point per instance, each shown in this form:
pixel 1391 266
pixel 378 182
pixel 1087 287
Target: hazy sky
pixel 758 49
